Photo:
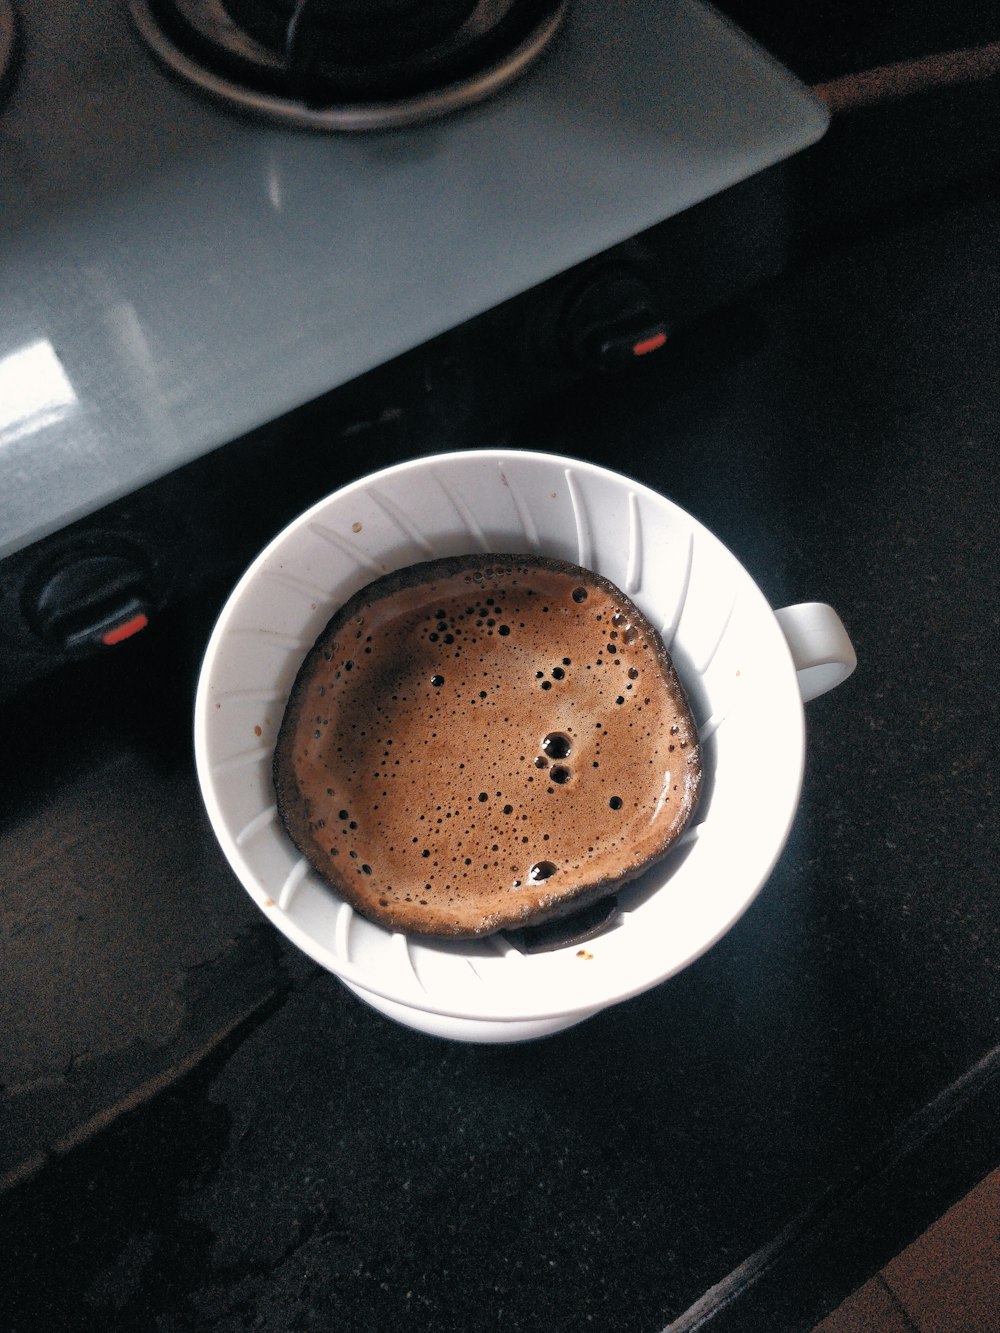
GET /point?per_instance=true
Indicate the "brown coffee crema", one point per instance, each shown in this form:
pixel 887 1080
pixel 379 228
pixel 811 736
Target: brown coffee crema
pixel 485 742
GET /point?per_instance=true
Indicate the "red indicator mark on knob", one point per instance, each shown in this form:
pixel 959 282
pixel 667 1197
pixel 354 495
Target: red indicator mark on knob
pixel 125 630
pixel 649 344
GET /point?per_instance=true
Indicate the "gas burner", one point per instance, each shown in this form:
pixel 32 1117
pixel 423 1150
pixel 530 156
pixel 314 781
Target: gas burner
pixel 348 64
pixel 9 47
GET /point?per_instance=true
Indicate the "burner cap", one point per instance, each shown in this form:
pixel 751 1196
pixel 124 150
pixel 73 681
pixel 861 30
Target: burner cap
pixel 348 64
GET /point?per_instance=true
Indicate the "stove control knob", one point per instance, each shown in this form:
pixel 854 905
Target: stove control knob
pixel 613 321
pixel 89 598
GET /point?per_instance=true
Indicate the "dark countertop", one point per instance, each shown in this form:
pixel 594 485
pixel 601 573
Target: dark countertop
pixel 745 1143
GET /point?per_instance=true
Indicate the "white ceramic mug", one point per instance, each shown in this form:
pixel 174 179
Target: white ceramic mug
pixel 747 670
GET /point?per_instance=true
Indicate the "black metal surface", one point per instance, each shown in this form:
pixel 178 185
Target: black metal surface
pixel 829 1059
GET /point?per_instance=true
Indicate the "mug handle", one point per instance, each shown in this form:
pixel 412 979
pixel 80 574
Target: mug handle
pixel 821 650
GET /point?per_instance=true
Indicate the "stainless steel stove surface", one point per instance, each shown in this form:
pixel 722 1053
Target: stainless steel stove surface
pixel 177 274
